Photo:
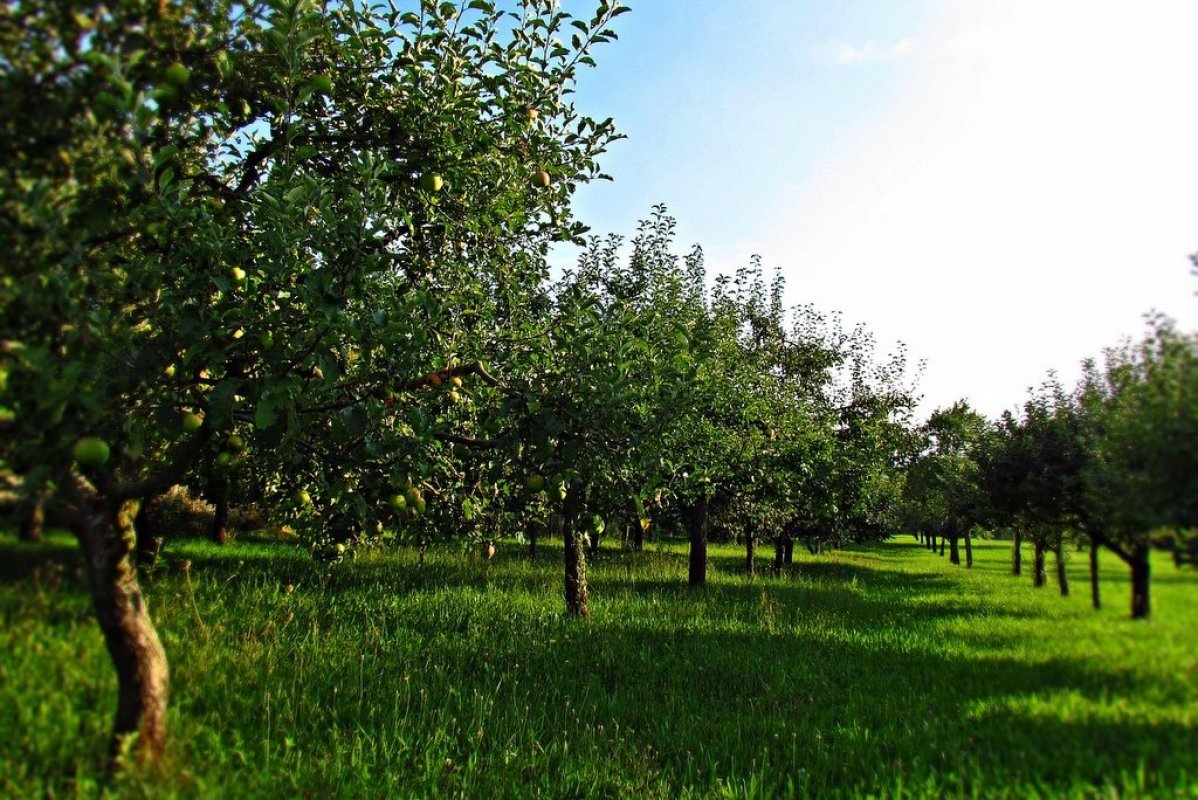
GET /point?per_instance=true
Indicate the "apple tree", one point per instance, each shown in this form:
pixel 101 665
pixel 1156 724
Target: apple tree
pixel 289 222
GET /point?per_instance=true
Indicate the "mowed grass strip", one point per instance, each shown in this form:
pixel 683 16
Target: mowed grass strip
pixel 880 671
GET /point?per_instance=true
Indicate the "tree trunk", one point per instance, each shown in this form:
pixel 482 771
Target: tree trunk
pixel 750 551
pixel 638 536
pixel 954 551
pixel 149 531
pixel 942 545
pixel 1039 577
pixel 696 528
pixel 968 548
pixel 220 513
pixel 789 553
pixel 1140 607
pixel 575 555
pixel 34 519
pixel 1062 578
pixel 779 554
pixel 593 542
pixel 534 527
pixel 1095 599
pixel 109 542
pixel 1017 553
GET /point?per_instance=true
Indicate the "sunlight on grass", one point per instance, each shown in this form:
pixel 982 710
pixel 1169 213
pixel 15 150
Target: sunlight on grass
pixel 882 671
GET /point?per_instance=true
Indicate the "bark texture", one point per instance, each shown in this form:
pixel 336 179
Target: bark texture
pixel 109 541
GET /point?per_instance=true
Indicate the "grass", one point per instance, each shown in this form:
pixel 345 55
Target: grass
pixel 881 671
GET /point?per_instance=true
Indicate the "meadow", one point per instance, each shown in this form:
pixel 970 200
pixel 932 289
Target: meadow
pixel 879 671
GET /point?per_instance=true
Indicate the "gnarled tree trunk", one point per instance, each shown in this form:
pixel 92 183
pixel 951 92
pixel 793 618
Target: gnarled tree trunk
pixel 696 529
pixel 108 538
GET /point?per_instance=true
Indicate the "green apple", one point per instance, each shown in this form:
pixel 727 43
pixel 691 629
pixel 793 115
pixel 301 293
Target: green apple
pixel 398 502
pixel 322 83
pixel 223 460
pixel 267 339
pixel 177 75
pixel 302 497
pixel 541 179
pixel 192 422
pixel 92 451
pixel 237 275
pixel 169 371
pixel 235 443
pixel 431 182
pixel 534 482
pixel 414 497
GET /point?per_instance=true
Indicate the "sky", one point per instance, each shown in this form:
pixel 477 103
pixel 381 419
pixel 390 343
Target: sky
pixel 1006 187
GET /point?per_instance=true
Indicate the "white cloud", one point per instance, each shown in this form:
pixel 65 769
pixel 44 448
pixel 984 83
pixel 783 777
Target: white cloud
pixel 1029 196
pixel 872 52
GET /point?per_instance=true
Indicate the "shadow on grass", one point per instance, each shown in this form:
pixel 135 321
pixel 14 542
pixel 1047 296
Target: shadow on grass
pixel 843 706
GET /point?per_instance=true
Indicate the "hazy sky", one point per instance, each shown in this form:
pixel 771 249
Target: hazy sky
pixel 1007 187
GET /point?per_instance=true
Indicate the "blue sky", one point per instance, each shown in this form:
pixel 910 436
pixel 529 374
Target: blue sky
pixel 1006 187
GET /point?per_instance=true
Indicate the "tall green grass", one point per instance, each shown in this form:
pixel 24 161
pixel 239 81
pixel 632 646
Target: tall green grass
pixel 881 671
